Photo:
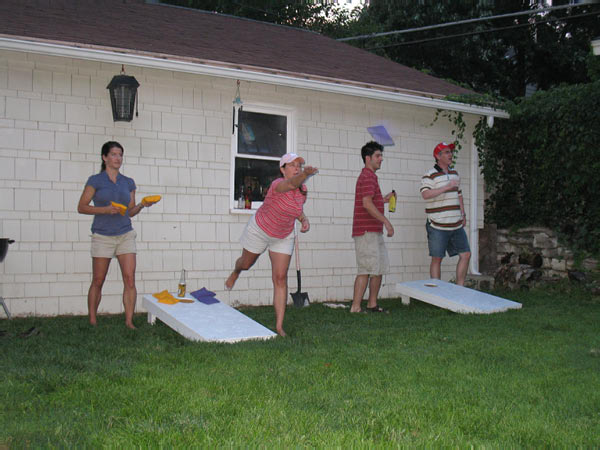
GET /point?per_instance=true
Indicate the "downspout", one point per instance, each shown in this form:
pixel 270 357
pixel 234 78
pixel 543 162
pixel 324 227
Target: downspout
pixel 473 215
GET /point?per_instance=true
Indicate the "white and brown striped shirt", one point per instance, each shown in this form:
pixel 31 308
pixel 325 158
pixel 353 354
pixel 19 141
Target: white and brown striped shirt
pixel 443 211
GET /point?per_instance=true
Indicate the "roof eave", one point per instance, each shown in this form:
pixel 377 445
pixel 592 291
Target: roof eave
pixel 255 74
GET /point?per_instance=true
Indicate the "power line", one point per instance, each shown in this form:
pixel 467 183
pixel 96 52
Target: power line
pixel 479 32
pixel 458 22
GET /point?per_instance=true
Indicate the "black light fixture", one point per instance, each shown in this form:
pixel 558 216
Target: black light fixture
pixel 123 96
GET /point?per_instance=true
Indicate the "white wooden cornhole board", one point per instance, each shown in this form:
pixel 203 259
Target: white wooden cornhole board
pixel 200 322
pixel 453 297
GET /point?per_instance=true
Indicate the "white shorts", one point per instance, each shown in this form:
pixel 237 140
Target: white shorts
pixel 255 240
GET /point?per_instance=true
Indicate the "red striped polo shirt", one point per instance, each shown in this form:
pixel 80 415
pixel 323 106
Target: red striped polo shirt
pixel 278 212
pixel 366 186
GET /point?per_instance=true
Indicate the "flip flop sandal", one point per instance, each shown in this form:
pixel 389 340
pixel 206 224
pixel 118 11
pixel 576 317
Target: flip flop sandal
pixel 378 309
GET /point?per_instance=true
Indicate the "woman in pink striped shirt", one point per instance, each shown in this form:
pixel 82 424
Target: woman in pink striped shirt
pixel 272 227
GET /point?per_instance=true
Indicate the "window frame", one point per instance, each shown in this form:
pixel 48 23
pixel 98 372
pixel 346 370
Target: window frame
pixel 262 108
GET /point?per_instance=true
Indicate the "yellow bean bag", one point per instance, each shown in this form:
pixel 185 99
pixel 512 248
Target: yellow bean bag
pixel 151 200
pixel 122 208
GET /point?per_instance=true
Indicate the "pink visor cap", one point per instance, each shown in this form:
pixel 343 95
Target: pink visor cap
pixel 441 146
pixel 289 157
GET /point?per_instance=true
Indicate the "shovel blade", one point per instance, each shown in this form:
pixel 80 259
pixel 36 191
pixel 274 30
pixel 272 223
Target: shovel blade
pixel 300 299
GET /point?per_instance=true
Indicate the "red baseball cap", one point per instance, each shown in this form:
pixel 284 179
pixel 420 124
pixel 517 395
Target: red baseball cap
pixel 441 146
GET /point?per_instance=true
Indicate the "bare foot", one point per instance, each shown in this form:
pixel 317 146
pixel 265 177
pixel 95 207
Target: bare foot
pixel 93 321
pixel 230 282
pixel 131 326
pixel 281 333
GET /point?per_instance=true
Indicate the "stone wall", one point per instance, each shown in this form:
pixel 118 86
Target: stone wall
pixel 535 246
pixel 534 253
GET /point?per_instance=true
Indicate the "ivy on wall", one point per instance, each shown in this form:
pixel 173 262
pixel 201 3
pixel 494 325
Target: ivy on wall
pixel 542 166
pixel 455 118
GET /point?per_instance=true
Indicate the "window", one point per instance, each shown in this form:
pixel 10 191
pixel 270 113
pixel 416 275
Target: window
pixel 262 135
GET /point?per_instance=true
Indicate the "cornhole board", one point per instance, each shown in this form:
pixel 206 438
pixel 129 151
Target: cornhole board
pixel 453 297
pixel 200 322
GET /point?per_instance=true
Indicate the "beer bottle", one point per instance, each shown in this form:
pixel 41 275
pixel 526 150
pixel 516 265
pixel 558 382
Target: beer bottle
pixel 393 202
pixel 181 287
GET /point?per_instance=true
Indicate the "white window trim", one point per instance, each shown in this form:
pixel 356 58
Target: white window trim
pixel 264 108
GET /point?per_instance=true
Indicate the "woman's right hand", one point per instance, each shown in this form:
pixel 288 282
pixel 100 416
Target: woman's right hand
pixel 305 225
pixel 310 170
pixel 112 210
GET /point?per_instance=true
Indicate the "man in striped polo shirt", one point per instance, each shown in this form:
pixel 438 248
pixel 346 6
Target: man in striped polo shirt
pixel 440 188
pixel 367 230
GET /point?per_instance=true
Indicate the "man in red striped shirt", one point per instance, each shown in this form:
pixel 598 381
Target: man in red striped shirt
pixel 367 230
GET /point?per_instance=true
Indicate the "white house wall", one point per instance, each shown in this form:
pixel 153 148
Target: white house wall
pixel 55 115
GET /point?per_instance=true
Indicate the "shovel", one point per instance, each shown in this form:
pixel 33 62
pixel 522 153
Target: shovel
pixel 300 298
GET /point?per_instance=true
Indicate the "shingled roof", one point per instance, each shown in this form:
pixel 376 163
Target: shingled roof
pixel 156 30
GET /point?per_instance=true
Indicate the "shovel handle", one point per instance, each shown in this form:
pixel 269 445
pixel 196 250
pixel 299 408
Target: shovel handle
pixel 296 250
pixel 299 277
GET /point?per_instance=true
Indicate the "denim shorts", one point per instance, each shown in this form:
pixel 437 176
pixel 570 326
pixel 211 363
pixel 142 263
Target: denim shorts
pixel 441 241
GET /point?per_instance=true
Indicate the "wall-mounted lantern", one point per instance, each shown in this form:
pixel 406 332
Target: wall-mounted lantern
pixel 123 96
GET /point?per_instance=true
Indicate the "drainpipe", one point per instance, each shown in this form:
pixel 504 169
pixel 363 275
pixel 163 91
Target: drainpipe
pixel 474 231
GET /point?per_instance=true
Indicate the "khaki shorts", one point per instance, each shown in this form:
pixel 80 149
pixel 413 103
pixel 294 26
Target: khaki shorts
pixel 371 254
pixel 256 241
pixel 111 246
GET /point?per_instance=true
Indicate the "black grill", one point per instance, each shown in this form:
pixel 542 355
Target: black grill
pixel 4 243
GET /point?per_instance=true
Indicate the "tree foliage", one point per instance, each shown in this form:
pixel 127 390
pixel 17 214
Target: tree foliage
pixel 500 56
pixel 541 166
pixel 327 19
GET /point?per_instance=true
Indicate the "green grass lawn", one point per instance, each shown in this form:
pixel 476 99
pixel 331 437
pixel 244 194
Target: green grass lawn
pixel 418 376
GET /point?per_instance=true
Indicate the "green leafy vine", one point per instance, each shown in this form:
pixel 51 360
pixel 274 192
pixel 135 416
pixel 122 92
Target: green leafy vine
pixel 456 118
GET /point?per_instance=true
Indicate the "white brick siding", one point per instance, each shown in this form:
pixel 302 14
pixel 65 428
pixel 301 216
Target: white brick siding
pixel 55 115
